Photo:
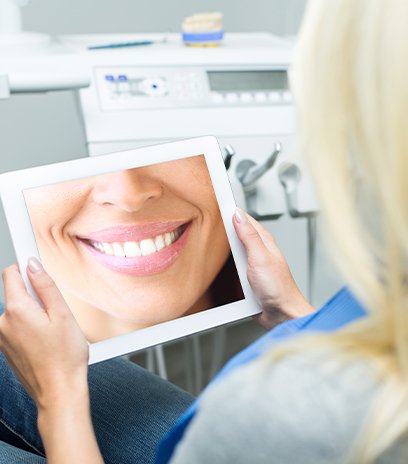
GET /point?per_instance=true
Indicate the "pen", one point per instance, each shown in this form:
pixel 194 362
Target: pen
pixel 139 43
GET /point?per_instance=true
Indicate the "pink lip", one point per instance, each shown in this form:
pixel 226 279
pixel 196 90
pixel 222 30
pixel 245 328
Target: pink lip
pixel 142 265
pixel 132 233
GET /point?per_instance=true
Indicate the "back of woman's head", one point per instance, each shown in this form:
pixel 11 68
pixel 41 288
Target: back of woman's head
pixel 350 81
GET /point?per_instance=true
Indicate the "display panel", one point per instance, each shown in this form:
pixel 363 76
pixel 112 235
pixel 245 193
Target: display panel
pixel 134 248
pixel 236 81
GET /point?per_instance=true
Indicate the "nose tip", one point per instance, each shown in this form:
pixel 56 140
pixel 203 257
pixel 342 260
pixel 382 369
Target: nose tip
pixel 128 190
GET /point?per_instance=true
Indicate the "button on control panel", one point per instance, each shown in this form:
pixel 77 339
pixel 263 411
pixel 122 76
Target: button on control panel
pixel 246 97
pixel 122 84
pixel 260 97
pixel 251 98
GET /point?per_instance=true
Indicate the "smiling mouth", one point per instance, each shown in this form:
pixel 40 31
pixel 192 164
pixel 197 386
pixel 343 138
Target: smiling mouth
pixel 143 255
pixel 135 249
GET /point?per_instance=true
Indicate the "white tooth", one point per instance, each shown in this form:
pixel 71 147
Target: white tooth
pixel 167 239
pixel 107 248
pixel 173 237
pixel 147 247
pixel 159 241
pixel 132 249
pixel 118 249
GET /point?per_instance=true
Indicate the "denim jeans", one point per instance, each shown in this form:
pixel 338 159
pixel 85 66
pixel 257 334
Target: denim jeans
pixel 132 410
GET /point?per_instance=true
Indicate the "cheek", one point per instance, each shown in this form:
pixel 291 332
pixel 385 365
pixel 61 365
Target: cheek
pixel 221 245
pixel 49 213
pixel 42 216
pixel 217 244
pixel 200 194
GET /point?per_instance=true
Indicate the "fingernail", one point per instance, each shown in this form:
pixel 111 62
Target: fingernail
pixel 240 216
pixel 35 266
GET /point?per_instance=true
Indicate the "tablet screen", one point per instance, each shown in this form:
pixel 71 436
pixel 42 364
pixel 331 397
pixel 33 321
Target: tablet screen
pixel 133 248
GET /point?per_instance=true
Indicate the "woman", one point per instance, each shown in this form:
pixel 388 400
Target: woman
pixel 318 398
pixel 132 409
pixel 119 246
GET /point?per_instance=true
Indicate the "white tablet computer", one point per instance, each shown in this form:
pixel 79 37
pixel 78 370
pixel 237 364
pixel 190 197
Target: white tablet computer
pixel 140 243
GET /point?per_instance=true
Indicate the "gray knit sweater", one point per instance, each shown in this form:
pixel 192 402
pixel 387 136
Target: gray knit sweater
pixel 301 410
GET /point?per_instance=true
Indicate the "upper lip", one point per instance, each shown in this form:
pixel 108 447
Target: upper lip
pixel 132 232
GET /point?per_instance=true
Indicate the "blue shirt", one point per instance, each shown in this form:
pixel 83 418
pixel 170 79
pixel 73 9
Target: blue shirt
pixel 337 312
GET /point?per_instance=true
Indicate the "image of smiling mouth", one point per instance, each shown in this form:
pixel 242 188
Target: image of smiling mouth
pixel 139 249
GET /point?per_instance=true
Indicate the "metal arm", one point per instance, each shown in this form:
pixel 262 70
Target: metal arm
pixel 248 173
pixel 289 176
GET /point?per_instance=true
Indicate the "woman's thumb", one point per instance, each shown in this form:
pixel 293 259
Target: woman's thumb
pixel 45 288
pixel 250 238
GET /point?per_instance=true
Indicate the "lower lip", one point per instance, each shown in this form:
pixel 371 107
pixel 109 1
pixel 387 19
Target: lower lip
pixel 142 265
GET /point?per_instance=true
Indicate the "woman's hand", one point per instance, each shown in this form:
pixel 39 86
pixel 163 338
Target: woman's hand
pixel 49 353
pixel 269 274
pixel 43 345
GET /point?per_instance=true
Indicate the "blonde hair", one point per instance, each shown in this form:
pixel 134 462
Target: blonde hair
pixel 350 82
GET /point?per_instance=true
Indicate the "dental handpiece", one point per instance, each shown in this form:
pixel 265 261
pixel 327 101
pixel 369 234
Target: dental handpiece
pixel 248 172
pixel 289 176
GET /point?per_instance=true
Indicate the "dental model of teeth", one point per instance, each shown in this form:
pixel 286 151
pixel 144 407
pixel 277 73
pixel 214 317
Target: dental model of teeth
pixel 145 247
pixel 203 22
pixel 203 29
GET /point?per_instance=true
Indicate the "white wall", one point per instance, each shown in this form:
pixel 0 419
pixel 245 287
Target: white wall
pixel 39 129
pixel 82 16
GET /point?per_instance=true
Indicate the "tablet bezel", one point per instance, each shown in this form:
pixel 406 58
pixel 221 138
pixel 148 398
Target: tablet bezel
pixel 12 187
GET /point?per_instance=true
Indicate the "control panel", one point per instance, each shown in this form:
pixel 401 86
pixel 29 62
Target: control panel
pixel 134 88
